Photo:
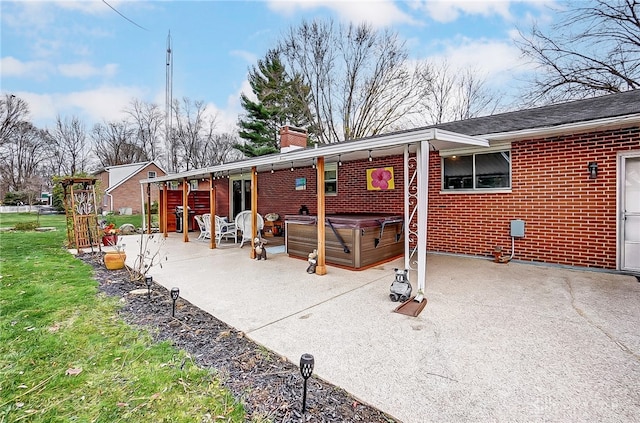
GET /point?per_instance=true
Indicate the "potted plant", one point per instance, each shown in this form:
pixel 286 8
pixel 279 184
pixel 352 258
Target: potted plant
pixel 110 235
pixel 114 260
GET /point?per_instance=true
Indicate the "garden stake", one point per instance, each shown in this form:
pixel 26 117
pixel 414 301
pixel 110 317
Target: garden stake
pixel 175 293
pixel 148 280
pixel 306 368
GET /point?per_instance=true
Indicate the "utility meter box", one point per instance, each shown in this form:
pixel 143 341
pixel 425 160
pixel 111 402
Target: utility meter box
pixel 517 228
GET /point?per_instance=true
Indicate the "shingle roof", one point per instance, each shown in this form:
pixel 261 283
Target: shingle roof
pixel 608 106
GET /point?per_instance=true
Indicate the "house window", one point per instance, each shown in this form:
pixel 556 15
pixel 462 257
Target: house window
pixel 480 171
pixel 193 184
pixel 331 179
pixel 151 174
pixel 174 185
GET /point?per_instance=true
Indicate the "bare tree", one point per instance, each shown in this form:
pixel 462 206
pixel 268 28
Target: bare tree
pixel 148 120
pixel 456 94
pixel 219 148
pixel 115 144
pixel 193 127
pixel 361 82
pixel 593 49
pixel 14 111
pixel 70 150
pixel 22 156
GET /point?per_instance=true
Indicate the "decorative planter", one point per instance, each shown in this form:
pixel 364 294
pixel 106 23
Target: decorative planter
pixel 109 240
pixel 114 260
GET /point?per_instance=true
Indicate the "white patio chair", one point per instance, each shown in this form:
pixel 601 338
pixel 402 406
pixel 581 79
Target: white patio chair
pixel 206 219
pixel 243 223
pixel 225 229
pixel 202 226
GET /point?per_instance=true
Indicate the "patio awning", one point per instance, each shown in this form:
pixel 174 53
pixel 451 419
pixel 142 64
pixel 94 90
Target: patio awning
pixel 382 145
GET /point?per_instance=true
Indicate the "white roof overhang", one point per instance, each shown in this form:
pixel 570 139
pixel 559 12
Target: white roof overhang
pixel 379 146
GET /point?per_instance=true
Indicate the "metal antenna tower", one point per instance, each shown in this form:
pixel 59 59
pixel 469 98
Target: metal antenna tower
pixel 168 104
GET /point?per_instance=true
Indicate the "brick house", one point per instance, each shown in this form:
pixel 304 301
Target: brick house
pixel 556 184
pixel 119 186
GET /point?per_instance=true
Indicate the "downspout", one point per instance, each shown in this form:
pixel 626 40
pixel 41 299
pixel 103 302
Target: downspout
pixel 110 201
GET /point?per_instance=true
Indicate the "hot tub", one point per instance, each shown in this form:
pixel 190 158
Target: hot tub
pixel 351 240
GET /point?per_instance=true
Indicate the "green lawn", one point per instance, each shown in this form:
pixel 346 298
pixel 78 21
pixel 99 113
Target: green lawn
pixel 66 356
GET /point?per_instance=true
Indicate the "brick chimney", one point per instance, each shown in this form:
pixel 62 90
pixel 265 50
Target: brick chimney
pixel 292 138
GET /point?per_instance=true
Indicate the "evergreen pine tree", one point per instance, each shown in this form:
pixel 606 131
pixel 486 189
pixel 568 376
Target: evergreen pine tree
pixel 282 100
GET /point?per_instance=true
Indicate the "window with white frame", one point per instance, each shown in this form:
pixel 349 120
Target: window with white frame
pixel 173 185
pixel 331 179
pixel 151 174
pixel 479 171
pixel 193 184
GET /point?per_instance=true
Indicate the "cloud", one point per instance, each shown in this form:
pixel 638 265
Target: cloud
pixel 450 10
pixel 92 106
pixel 247 56
pixel 85 70
pixel 486 55
pixel 36 69
pixel 379 13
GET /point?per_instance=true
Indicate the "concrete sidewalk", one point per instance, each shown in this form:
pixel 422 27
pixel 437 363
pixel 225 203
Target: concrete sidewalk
pixel 496 342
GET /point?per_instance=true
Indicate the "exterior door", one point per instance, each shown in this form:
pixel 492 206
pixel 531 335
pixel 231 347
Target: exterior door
pixel 240 196
pixel 630 213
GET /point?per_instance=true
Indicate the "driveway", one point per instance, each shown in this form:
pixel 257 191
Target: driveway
pixel 496 342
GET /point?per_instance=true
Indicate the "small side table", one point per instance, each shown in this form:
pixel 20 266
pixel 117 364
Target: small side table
pixel 272 228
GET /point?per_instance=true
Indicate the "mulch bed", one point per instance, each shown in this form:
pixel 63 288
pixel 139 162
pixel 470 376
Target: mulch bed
pixel 268 385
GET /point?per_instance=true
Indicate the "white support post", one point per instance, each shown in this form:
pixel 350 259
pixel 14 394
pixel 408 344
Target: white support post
pixel 407 212
pixel 144 215
pixel 423 204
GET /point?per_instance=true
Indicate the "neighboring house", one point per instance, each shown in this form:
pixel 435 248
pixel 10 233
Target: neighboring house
pixel 120 187
pixel 565 176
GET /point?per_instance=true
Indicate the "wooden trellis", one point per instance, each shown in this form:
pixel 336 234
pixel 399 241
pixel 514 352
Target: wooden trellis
pixel 81 211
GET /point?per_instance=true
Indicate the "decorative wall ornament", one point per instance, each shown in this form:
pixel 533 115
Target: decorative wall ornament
pixel 380 179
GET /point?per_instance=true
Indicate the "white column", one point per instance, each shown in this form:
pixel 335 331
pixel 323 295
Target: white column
pixel 423 204
pixel 407 212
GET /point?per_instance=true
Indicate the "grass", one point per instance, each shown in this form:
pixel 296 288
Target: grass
pixel 66 356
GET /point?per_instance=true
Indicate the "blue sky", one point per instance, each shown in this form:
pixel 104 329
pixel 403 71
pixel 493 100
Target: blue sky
pixel 81 58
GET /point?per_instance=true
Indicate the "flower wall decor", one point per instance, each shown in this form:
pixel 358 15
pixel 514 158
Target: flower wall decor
pixel 380 179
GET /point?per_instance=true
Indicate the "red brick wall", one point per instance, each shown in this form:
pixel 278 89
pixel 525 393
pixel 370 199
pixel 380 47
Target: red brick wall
pixel 569 218
pixel 129 195
pixel 277 193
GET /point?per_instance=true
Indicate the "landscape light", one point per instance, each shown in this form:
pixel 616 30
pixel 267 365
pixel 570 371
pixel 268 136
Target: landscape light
pixel 148 280
pixel 175 293
pixel 306 368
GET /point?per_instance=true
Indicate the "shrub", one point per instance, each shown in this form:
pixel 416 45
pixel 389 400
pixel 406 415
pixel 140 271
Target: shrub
pixel 26 226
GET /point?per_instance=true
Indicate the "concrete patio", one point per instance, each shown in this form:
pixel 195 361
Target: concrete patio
pixel 496 342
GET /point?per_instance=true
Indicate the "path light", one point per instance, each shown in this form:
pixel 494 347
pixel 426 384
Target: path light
pixel 148 280
pixel 306 368
pixel 175 293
